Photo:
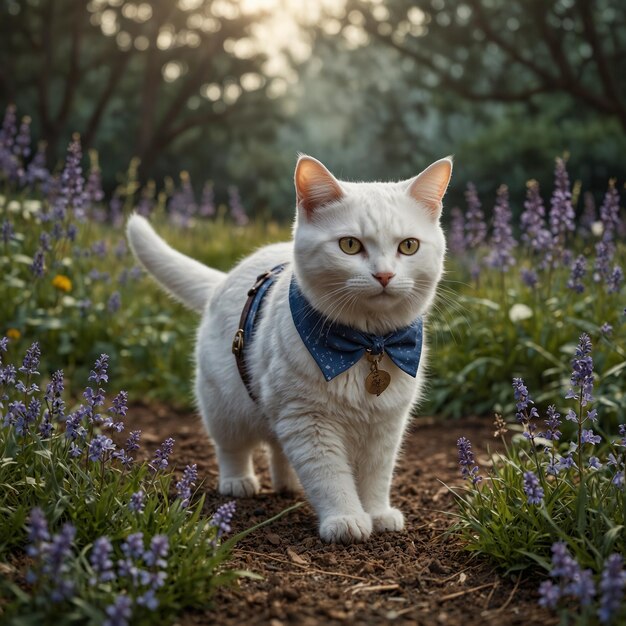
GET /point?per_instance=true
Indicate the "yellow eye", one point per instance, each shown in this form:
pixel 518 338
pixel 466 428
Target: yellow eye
pixel 409 246
pixel 350 245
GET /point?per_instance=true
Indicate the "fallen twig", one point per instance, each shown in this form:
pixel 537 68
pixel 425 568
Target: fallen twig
pixel 508 600
pixel 305 567
pixel 389 587
pixel 464 592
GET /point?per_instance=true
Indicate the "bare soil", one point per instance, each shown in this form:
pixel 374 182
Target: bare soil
pixel 420 576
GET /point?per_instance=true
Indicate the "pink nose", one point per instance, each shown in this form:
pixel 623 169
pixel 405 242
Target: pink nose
pixel 383 277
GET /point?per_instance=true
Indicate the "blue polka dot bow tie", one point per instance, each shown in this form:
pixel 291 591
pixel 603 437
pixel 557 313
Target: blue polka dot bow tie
pixel 336 348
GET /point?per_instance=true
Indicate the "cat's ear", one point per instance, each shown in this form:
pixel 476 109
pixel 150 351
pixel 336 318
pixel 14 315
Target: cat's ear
pixel 315 185
pixel 429 187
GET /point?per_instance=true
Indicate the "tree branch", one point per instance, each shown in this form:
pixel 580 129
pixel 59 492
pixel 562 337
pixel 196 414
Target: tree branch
pixel 73 76
pixel 115 75
pixel 606 77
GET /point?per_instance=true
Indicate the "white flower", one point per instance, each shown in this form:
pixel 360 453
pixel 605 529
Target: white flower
pixel 14 206
pixel 597 228
pixel 519 312
pixel 32 206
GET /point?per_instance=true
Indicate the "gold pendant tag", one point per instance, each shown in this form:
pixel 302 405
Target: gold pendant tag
pixel 377 380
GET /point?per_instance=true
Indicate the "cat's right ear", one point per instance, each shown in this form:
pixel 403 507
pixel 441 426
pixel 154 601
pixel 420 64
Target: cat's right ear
pixel 315 186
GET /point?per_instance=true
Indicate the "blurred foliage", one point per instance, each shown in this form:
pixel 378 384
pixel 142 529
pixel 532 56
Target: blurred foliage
pixel 376 90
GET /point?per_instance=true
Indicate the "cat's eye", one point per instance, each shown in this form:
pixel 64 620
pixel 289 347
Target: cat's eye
pixel 350 245
pixel 409 246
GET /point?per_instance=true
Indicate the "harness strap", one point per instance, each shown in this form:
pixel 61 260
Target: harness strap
pixel 248 317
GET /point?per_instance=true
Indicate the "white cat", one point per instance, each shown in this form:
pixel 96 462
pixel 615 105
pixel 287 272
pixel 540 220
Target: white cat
pixel 365 255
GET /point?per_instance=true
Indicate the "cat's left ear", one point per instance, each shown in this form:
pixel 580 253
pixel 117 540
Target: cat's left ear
pixel 429 187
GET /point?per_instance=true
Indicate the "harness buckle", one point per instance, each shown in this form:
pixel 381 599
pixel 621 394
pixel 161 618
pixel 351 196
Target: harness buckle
pixel 237 347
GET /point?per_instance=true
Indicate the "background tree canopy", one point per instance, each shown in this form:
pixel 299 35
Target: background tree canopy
pixel 232 90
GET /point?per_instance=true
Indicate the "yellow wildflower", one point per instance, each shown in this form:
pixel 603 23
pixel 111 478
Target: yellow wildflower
pixel 13 333
pixel 62 283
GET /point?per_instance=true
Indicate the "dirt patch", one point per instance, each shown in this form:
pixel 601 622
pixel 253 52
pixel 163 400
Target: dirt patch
pixel 420 576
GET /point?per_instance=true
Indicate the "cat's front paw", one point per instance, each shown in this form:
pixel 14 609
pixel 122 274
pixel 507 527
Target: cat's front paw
pixel 390 520
pixel 346 528
pixel 239 487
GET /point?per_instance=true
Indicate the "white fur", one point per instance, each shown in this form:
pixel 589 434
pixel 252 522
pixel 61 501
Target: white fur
pixel 341 441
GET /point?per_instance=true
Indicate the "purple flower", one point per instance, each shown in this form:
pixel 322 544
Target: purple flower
pixel 532 220
pixel 53 398
pixel 37 531
pixel 21 148
pixel 549 594
pixel 7 231
pixel 594 462
pixel 612 585
pixel 614 279
pixel 523 402
pixel 132 443
pixel 98 448
pixel 553 422
pixel 120 612
pixel 579 267
pixel 161 456
pixel 46 428
pixel 475 227
pixel 602 265
pixel 532 489
pixel 72 181
pixel 502 241
pixel 133 546
pixel 561 209
pixel 4 344
pixel 582 587
pixel 149 600
pixel 456 239
pixel 119 404
pixel 56 566
pixel 115 302
pixel 609 213
pixel 588 436
pixel 563 565
pixel 156 555
pixel 101 562
pixel 207 202
pixel 99 373
pixel 237 210
pixel 37 172
pixel 469 470
pixel 93 188
pixel 606 329
pixel 137 503
pixel 223 518
pixel 31 360
pixel 38 265
pixel 183 486
pixel 582 372
pixel 529 277
pixel 565 463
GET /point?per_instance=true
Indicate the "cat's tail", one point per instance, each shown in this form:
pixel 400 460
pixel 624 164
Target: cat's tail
pixel 186 280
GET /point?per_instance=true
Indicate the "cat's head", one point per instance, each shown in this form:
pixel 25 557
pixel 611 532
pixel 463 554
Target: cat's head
pixel 369 255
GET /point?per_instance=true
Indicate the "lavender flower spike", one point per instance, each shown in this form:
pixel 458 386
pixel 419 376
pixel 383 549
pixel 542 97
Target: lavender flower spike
pixel 183 486
pixel 475 227
pixel 532 489
pixel 223 517
pixel 161 456
pixel 502 242
pixel 612 586
pixel 582 372
pixel 469 469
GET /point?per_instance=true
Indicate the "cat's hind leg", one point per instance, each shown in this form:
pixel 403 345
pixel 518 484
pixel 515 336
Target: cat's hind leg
pixel 237 476
pixel 284 478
